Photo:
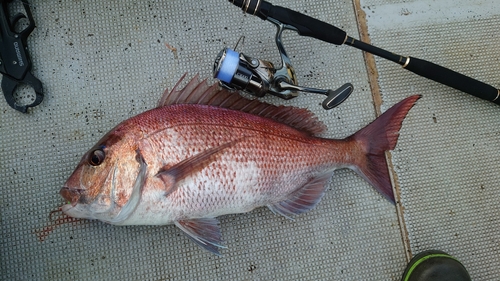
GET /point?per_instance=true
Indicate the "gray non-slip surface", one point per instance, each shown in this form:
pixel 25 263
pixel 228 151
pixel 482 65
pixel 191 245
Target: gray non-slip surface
pixel 447 157
pixel 104 61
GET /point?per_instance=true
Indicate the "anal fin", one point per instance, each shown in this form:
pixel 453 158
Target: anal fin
pixel 204 232
pixel 304 198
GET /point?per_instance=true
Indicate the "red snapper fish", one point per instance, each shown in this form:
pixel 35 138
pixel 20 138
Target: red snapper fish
pixel 205 152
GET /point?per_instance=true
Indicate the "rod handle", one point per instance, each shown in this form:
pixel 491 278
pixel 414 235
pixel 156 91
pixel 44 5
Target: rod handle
pixel 308 26
pixel 453 79
pixel 305 25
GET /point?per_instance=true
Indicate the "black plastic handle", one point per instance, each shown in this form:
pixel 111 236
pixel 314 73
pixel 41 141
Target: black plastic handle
pixel 453 79
pixel 338 96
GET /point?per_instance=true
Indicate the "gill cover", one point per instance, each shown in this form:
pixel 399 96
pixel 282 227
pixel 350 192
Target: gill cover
pixel 135 197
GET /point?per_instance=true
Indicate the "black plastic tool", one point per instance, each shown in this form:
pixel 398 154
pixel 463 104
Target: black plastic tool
pixel 308 26
pixel 15 62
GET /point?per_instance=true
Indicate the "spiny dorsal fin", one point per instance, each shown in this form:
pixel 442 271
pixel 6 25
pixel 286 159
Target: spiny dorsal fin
pixel 196 92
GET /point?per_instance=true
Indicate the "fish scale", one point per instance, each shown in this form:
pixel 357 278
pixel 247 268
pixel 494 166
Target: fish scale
pixel 268 154
pixel 205 152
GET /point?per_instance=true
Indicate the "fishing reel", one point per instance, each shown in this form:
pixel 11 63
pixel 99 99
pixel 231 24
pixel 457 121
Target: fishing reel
pixel 236 71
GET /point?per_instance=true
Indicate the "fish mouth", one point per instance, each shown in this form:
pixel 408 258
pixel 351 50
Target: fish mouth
pixel 71 194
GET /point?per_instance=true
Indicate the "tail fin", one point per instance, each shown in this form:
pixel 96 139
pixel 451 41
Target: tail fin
pixel 379 136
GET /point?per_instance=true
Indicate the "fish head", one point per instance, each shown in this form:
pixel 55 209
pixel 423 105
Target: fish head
pixel 103 181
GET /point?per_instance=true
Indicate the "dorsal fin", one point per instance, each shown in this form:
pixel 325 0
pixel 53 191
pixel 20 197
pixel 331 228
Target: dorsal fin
pixel 196 92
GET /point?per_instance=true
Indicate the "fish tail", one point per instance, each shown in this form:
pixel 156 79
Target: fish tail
pixel 376 138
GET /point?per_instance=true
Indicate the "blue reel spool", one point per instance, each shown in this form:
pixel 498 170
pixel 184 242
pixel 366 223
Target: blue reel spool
pixel 227 65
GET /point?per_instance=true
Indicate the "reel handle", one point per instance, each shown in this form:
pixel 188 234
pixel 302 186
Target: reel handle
pixel 338 96
pixel 334 97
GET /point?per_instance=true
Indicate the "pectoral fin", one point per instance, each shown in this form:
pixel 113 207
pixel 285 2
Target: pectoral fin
pixel 204 232
pixel 192 165
pixel 304 198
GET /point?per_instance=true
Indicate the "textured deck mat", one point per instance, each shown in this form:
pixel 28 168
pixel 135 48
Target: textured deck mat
pixel 447 158
pixel 104 61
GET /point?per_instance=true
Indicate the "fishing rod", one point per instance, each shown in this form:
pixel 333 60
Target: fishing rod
pixel 305 25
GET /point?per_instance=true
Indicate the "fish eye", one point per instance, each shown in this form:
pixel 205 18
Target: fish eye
pixel 97 157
